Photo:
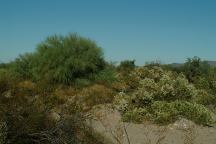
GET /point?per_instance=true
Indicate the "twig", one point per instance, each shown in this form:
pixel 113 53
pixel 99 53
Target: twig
pixel 126 133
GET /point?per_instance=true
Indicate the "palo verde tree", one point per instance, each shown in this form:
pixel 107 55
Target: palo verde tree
pixel 62 59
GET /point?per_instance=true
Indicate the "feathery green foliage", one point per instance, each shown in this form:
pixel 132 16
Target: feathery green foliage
pixel 61 59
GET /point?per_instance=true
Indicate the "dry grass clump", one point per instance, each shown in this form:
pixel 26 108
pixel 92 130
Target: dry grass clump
pixel 95 94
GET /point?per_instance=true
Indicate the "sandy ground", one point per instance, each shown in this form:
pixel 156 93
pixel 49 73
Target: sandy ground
pixel 108 122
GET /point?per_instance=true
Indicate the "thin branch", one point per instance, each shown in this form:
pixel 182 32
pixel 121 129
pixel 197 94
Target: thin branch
pixel 126 134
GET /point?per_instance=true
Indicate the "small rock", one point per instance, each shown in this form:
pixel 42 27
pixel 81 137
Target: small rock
pixel 183 124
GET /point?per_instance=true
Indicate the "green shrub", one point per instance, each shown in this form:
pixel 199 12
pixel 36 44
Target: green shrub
pixel 127 65
pixel 135 115
pixel 195 67
pixel 163 97
pixel 127 81
pixel 6 81
pixel 154 72
pixel 67 58
pixel 121 102
pixel 202 83
pixel 23 66
pixel 183 90
pixel 142 98
pixel 165 112
pixel 4 65
pixel 164 86
pixel 81 82
pixel 106 76
pixel 61 59
pixel 213 86
pixel 203 97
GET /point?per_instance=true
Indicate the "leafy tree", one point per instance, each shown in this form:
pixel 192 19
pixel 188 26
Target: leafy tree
pixel 22 66
pixel 195 67
pixel 3 65
pixel 62 59
pixel 127 65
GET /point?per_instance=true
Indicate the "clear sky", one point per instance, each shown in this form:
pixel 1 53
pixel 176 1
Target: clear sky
pixel 144 30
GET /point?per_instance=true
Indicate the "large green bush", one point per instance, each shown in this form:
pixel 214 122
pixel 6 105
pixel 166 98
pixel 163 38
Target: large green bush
pixel 23 66
pixel 61 59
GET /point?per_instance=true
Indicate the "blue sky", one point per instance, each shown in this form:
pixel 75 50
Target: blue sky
pixel 144 30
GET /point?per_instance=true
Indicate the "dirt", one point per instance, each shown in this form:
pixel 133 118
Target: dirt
pixel 108 122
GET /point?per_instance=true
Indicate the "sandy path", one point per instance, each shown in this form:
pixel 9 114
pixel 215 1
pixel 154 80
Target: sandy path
pixel 108 122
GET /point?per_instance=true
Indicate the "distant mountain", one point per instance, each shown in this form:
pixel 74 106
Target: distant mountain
pixel 211 63
pixel 176 65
